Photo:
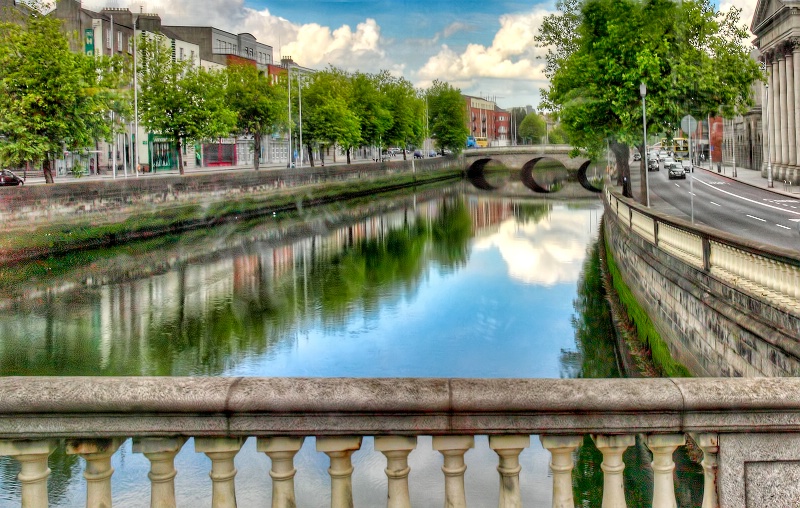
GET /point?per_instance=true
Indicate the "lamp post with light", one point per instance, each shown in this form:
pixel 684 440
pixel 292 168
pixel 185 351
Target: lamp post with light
pixel 643 93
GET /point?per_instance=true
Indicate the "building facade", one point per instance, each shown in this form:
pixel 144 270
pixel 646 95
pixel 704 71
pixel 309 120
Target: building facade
pixel 486 122
pixel 776 25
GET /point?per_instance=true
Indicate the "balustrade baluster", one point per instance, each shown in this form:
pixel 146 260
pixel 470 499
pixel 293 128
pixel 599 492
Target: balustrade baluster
pixel 453 449
pixel 561 449
pixel 339 449
pixel 663 446
pixel 221 451
pixel 161 452
pixel 281 451
pixel 709 443
pixel 612 448
pixel 508 449
pixel 396 449
pixel 97 454
pixel 32 456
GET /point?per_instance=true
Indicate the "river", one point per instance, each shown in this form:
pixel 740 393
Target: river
pixel 440 282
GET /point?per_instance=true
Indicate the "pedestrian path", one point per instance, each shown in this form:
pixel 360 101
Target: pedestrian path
pixel 751 177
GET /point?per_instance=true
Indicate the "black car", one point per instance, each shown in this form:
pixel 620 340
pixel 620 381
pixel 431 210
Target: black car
pixel 675 170
pixel 652 165
pixel 8 178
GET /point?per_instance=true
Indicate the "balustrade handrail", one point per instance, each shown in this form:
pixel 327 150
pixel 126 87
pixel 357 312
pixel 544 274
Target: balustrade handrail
pixel 775 253
pixel 85 407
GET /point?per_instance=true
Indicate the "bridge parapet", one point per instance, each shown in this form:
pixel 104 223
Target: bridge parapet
pixel 745 419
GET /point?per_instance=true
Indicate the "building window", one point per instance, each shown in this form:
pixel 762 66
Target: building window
pixel 130 45
pixel 181 54
pixel 192 55
pixel 108 38
pixel 119 41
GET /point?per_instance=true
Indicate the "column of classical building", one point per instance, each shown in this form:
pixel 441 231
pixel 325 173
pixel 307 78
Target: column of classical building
pixel 795 106
pixel 791 170
pixel 775 113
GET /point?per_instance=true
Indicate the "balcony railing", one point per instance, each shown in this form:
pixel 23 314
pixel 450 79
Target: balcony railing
pixel 95 415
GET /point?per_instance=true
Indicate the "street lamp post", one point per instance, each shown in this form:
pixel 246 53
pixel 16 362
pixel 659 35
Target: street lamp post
pixel 643 93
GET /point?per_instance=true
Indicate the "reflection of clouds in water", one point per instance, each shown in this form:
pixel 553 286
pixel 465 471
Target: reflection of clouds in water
pixel 548 252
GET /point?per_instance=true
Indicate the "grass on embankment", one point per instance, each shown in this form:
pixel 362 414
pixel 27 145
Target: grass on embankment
pixel 646 332
pixel 84 233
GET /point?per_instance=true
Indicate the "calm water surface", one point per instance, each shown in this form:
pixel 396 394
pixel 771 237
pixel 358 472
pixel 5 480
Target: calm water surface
pixel 440 283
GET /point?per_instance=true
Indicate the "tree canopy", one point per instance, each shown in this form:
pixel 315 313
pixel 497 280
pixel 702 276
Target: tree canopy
pixel 50 98
pixel 533 127
pixel 179 100
pixel 447 117
pixel 690 56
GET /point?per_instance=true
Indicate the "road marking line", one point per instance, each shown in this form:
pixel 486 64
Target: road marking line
pixel 757 218
pixel 748 199
pixel 715 204
pixel 676 185
pixel 782 226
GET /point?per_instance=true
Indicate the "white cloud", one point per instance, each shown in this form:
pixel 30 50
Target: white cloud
pixel 748 8
pixel 512 54
pixel 310 45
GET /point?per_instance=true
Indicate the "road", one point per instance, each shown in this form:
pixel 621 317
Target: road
pixel 707 198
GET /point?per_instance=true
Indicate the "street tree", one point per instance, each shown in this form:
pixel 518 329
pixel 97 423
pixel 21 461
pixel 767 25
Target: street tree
pixel 179 100
pixel 52 99
pixel 533 127
pixel 447 117
pixel 371 106
pixel 690 56
pixel 259 105
pixel 405 108
pixel 327 118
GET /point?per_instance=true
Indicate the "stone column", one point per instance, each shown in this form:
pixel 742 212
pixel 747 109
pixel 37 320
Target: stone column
pixel 32 456
pixel 791 135
pixel 508 449
pixel 766 118
pixel 161 452
pixel 97 454
pixel 281 451
pixel 774 104
pixel 784 117
pixel 339 449
pixel 663 446
pixel 795 107
pixel 709 443
pixel 612 447
pixel 221 451
pixel 561 449
pixel 396 449
pixel 453 449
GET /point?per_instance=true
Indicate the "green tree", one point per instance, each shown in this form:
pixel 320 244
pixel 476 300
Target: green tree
pixel 178 100
pixel 689 55
pixel 533 127
pixel 447 117
pixel 406 110
pixel 326 116
pixel 260 105
pixel 371 106
pixel 557 135
pixel 50 98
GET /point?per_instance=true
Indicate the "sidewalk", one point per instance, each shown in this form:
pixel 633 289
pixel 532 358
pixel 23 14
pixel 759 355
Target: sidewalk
pixel 750 177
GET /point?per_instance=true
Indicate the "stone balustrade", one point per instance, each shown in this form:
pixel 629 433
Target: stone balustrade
pixel 735 422
pixel 763 271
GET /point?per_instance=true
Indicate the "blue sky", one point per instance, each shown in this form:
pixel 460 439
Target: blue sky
pixel 486 48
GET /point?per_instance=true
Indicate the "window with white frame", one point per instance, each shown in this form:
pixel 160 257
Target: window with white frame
pixel 119 41
pixel 108 38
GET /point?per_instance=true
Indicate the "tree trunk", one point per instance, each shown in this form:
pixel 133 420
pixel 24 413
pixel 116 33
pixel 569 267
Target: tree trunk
pixel 348 156
pixel 48 170
pixel 256 150
pixel 179 146
pixel 310 154
pixel 334 153
pixel 622 153
pixel 405 155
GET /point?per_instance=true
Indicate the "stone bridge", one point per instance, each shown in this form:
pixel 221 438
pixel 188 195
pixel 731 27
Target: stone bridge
pixel 525 159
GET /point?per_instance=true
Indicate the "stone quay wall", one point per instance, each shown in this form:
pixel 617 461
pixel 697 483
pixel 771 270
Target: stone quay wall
pixel 106 200
pixel 715 322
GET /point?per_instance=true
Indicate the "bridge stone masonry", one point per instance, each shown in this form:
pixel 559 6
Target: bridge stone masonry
pixel 525 159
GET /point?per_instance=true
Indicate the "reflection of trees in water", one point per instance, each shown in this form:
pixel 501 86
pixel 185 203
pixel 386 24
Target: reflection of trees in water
pixel 259 307
pixel 531 213
pixel 64 469
pixel 595 357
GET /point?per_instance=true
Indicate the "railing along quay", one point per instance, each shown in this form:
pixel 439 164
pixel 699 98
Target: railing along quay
pixel 765 272
pixel 93 416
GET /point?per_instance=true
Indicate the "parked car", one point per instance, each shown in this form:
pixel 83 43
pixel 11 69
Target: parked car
pixel 447 151
pixel 418 154
pixel 432 153
pixel 675 170
pixel 9 178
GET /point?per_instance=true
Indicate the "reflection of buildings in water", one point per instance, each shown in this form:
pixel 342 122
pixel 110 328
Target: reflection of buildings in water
pixel 488 214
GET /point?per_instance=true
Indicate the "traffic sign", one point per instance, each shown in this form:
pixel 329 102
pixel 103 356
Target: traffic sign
pixel 688 124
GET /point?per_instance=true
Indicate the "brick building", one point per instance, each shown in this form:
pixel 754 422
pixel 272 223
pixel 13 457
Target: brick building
pixel 486 122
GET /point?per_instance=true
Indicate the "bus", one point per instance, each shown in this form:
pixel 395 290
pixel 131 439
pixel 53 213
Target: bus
pixel 678 146
pixel 481 141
